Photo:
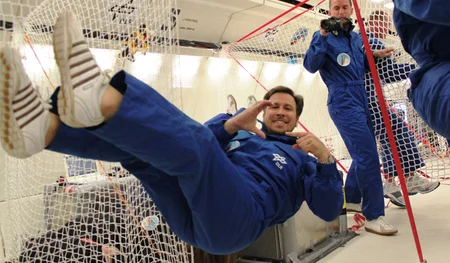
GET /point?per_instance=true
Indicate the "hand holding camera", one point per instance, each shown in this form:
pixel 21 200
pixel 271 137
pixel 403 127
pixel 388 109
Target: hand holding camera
pixel 332 24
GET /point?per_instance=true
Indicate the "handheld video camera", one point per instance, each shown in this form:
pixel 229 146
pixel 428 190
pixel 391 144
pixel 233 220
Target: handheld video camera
pixel 331 24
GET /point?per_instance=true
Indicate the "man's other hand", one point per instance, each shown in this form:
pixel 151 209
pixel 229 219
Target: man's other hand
pixel 309 143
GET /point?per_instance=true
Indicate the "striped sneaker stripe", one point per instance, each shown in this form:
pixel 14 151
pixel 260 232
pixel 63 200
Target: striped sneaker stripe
pixel 80 52
pixel 85 80
pixel 79 43
pixel 84 71
pixel 22 98
pixel 25 105
pixel 32 118
pixel 81 63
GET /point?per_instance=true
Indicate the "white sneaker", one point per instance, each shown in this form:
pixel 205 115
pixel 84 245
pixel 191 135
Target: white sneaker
pixel 251 100
pixel 381 227
pixel 393 192
pixel 418 184
pixel 354 208
pixel 83 82
pixel 24 117
pixel 232 105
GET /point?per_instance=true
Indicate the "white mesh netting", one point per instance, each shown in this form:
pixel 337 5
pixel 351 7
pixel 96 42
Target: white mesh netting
pixel 57 208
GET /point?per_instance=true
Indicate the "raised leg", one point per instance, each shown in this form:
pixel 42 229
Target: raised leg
pixel 147 126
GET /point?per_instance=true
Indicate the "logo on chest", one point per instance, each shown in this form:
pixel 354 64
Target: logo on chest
pixel 343 59
pixel 279 160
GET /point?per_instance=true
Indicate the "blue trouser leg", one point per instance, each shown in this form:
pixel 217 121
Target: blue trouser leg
pixel 349 112
pixel 225 214
pixel 406 146
pixel 164 189
pixel 431 98
pixel 159 185
pixel 82 143
pixel 352 190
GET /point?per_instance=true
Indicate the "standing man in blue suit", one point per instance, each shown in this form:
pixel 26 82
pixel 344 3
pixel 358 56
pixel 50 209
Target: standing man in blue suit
pixel 378 25
pixel 423 27
pixel 340 59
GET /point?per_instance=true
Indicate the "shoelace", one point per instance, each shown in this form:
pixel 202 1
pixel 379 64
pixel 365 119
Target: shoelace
pixel 46 103
pixel 107 74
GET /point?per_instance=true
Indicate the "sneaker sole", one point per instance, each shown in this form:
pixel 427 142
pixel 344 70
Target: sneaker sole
pixel 424 192
pixel 11 135
pixel 251 100
pixel 233 102
pixel 394 201
pixel 62 49
pixel 381 233
pixel 431 190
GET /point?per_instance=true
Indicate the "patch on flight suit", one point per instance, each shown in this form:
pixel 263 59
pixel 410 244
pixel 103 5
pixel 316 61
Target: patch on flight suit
pixel 232 145
pixel 343 59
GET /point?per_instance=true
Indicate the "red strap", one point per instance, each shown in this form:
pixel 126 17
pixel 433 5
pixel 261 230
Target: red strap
pixel 360 220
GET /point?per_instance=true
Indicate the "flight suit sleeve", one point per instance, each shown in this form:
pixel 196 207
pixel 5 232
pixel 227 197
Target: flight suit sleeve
pixel 215 125
pixel 315 56
pixel 323 190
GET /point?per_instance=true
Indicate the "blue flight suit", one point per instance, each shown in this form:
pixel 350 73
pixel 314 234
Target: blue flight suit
pixel 423 27
pixel 218 192
pixel 389 71
pixel 348 108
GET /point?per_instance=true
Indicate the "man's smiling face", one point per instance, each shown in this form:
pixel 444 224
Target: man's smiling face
pixel 281 116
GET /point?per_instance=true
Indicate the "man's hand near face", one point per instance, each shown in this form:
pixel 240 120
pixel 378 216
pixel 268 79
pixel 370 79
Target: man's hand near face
pixel 246 120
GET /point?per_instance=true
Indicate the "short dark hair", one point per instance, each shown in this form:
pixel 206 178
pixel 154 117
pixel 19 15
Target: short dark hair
pixel 297 98
pixel 329 5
